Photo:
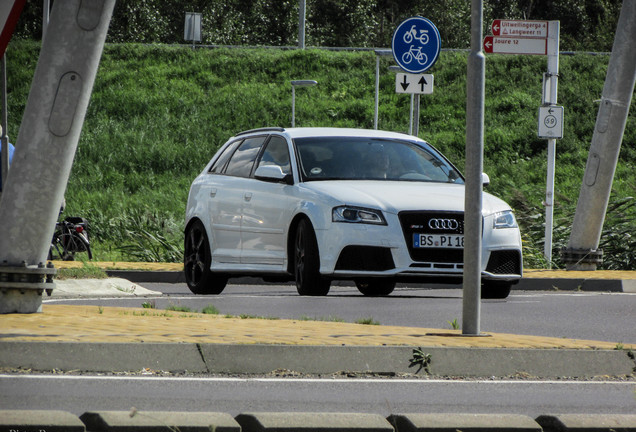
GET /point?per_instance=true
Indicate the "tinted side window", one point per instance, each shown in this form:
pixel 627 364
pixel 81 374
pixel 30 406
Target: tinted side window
pixel 217 167
pixel 276 153
pixel 243 158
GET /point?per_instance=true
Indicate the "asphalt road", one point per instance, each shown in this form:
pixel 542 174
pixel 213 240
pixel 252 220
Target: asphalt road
pixel 589 315
pixel 576 315
pixel 78 394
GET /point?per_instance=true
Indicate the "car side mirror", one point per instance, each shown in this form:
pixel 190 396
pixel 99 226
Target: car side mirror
pixel 485 179
pixel 273 173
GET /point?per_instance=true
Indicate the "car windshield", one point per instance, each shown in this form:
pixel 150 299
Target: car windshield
pixel 362 158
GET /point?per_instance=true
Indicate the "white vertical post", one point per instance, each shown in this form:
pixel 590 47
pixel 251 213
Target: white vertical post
pixel 377 91
pixel 550 87
pixel 416 114
pixel 411 115
pixel 302 10
pixel 475 92
pixel 293 106
pixel 46 7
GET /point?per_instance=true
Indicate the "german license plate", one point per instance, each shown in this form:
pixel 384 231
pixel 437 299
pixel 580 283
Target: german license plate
pixel 446 241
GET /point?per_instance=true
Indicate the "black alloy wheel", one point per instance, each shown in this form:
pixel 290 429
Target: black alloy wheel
pixel 309 282
pixel 197 260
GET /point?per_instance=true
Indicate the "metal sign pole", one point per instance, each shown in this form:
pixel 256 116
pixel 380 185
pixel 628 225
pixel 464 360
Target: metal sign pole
pixel 550 86
pixel 192 24
pixel 302 11
pixel 377 91
pixel 411 116
pixel 474 166
pixel 416 114
pixel 46 8
pixel 293 123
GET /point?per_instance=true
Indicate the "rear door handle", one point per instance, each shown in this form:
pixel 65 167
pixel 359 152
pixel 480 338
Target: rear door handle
pixel 213 193
pixel 247 196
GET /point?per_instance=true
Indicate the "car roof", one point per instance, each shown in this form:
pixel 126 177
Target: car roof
pixel 333 132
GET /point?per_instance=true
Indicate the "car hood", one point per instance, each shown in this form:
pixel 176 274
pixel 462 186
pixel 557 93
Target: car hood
pixel 393 196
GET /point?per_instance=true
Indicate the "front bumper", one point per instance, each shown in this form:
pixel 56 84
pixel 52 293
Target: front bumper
pixel 351 251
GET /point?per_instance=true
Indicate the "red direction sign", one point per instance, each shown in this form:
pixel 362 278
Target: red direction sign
pixel 515 45
pixel 10 11
pixel 519 28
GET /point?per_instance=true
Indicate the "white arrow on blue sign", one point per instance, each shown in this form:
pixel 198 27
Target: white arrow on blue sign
pixel 416 44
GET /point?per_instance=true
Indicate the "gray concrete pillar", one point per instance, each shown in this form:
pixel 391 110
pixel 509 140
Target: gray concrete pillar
pixel 46 144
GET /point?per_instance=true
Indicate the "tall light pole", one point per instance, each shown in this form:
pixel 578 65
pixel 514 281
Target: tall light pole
pixel 302 11
pixel 298 83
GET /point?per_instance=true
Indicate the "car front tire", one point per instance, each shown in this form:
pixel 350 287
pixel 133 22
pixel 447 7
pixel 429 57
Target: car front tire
pixel 375 287
pixel 197 260
pixel 309 282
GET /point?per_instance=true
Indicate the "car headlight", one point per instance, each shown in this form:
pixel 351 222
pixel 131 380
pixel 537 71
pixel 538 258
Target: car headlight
pixel 505 219
pixel 357 215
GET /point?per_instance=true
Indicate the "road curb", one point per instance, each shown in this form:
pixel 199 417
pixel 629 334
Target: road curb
pixel 587 285
pixel 313 422
pixel 587 422
pixel 263 359
pixel 160 421
pixel 525 284
pixel 102 357
pixel 156 421
pixel 463 422
pixel 39 420
pixel 438 361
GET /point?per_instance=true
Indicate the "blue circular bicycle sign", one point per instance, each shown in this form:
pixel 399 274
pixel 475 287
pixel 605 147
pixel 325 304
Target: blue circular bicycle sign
pixel 416 44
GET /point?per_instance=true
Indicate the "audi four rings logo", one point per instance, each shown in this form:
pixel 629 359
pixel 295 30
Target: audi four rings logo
pixel 443 224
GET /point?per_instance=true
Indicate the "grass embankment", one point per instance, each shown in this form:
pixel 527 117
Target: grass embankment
pixel 158 113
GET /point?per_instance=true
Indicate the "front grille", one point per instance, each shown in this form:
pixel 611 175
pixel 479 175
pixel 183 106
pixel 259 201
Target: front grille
pixel 504 262
pixel 365 258
pixel 432 223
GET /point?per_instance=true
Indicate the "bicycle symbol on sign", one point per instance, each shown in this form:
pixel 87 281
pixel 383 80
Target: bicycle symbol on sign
pixel 416 54
pixel 411 35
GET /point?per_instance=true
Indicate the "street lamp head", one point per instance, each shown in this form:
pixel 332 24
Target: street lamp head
pixel 303 83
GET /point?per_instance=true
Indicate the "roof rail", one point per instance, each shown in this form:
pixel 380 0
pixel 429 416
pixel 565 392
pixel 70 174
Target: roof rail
pixel 265 129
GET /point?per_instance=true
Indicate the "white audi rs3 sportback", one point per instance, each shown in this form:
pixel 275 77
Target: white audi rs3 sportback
pixel 321 204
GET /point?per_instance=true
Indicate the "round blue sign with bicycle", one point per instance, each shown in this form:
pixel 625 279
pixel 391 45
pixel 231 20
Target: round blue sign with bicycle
pixel 416 44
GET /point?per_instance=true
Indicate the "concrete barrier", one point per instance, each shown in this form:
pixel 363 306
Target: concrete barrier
pixel 259 359
pixel 444 361
pixel 158 421
pixel 39 421
pixel 588 422
pixel 155 421
pixel 313 422
pixel 102 357
pixel 463 422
